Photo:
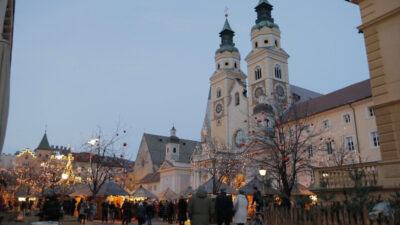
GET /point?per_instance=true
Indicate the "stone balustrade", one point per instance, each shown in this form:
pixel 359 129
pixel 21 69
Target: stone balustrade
pixel 339 176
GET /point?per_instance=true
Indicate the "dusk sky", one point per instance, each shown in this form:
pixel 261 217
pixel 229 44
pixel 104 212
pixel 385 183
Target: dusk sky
pixel 80 65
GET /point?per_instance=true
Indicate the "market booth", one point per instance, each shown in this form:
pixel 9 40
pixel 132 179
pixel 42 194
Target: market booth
pixel 142 194
pixel 110 191
pixel 189 192
pixel 249 191
pixel 209 186
pixel 168 194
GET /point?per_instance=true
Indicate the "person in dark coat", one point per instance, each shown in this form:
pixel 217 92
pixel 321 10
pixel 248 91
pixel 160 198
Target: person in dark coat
pixel 104 211
pixel 200 208
pixel 170 212
pixel 257 198
pixel 126 214
pixel 164 211
pixel 141 214
pixel 182 207
pixel 150 211
pixel 223 208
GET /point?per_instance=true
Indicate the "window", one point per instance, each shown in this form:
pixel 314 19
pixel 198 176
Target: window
pixel 167 150
pixel 312 176
pixel 235 65
pixel 346 118
pixel 256 45
pixel 219 92
pixel 266 41
pixel 326 124
pixel 174 150
pixel 219 66
pixel 257 73
pixel 308 129
pixel 350 143
pixel 278 71
pixel 371 112
pixel 375 139
pixel 276 43
pixel 329 149
pixel 310 151
pixel 237 98
pixel 226 64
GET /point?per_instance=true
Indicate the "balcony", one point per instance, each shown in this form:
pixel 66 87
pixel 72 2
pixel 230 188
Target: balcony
pixel 338 177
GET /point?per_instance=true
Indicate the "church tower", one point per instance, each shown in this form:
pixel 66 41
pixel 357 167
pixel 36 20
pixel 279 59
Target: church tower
pixel 267 62
pixel 172 146
pixel 227 100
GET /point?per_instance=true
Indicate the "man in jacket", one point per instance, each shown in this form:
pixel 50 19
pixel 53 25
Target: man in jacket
pixel 200 208
pixel 223 208
pixel 257 198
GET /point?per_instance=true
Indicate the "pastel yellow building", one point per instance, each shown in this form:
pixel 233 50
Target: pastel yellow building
pixel 381 29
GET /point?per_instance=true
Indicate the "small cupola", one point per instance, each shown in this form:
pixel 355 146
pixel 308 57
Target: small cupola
pixel 172 147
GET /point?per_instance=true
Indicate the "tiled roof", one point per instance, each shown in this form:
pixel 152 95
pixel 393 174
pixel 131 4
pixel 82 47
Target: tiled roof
pixel 111 161
pixel 151 178
pixel 156 145
pixel 303 94
pixel 344 96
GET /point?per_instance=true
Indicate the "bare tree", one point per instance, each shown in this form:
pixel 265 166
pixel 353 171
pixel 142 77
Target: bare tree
pixel 220 163
pixel 106 158
pixel 279 140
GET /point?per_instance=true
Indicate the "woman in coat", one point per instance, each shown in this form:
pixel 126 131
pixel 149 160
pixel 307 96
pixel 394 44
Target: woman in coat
pixel 200 208
pixel 240 207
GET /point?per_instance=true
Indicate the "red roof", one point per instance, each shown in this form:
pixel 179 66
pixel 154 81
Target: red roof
pixel 344 96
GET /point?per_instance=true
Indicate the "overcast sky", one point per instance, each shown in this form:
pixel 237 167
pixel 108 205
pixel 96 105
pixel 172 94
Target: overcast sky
pixel 79 65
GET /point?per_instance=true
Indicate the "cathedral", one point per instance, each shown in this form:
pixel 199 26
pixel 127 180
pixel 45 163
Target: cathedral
pixel 345 115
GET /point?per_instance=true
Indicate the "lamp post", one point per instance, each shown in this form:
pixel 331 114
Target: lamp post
pixel 263 172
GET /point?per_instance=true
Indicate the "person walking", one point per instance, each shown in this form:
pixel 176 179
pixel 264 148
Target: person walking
pixel 92 210
pixel 126 215
pixel 150 211
pixel 83 210
pixel 240 208
pixel 170 212
pixel 141 214
pixel 257 198
pixel 223 208
pixel 104 211
pixel 182 208
pixel 200 208
pixel 112 209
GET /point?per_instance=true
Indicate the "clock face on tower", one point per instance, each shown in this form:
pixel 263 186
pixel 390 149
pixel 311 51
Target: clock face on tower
pixel 219 108
pixel 239 138
pixel 280 91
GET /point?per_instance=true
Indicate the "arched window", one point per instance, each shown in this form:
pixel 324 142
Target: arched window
pixel 257 73
pixel 235 65
pixel 237 99
pixel 256 45
pixel 219 92
pixel 219 66
pixel 278 71
pixel 276 43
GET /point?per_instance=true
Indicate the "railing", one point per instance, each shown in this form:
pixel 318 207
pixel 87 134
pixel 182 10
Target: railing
pixel 339 176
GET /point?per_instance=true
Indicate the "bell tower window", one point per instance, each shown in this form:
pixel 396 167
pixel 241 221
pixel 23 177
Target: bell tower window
pixel 219 66
pixel 235 65
pixel 276 43
pixel 226 64
pixel 278 71
pixel 266 41
pixel 256 44
pixel 237 99
pixel 219 92
pixel 257 73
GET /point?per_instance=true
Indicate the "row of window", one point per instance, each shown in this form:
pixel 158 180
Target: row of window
pixel 227 64
pixel 349 144
pixel 277 69
pixel 237 97
pixel 347 119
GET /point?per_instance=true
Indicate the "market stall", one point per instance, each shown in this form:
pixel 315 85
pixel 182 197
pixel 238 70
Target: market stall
pixel 168 194
pixel 209 187
pixel 188 192
pixel 142 194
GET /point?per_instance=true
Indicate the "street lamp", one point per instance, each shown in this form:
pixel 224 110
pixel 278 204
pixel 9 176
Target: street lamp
pixel 64 176
pixel 262 172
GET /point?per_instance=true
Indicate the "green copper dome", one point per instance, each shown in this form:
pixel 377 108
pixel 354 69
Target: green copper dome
pixel 227 43
pixel 44 143
pixel 264 18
